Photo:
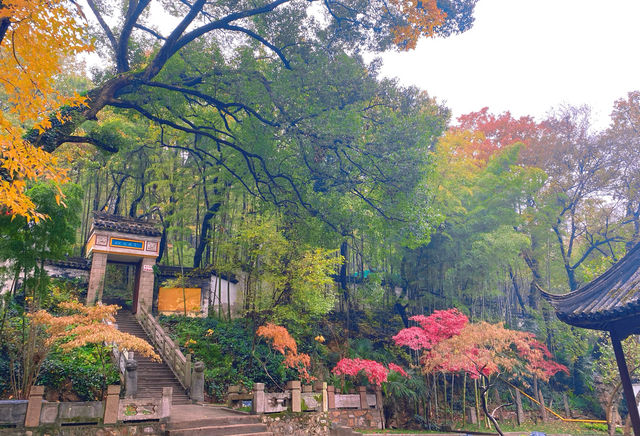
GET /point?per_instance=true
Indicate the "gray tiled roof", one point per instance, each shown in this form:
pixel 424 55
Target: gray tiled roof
pixel 116 223
pixel 611 301
pixel 167 271
pixel 70 262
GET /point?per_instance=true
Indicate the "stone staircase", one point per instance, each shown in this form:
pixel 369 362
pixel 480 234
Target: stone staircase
pixel 205 421
pixel 152 376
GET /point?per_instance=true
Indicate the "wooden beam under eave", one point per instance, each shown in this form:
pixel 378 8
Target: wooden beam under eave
pixel 629 397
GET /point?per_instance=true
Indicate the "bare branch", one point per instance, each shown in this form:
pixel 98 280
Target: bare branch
pixel 103 24
pixel 133 13
pixel 259 38
pixel 220 24
pixel 171 45
pixel 217 103
pixel 151 31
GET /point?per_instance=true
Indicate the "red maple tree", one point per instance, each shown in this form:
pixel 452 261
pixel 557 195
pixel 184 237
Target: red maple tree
pixel 452 344
pixel 496 131
pixel 440 325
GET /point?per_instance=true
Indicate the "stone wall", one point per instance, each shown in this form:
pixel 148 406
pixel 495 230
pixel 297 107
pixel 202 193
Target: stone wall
pixel 147 429
pixel 297 424
pixel 112 415
pixel 321 423
pixel 357 418
pixel 13 412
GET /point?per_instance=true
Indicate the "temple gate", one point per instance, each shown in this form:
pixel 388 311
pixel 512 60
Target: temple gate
pixel 120 239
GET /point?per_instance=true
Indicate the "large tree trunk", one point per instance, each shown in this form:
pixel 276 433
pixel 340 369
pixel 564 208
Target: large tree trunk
pixel 516 289
pixel 485 409
pixel 536 281
pixel 519 409
pixel 543 408
pixel 344 252
pixel 402 311
pixel 204 234
pixel 98 98
pixel 134 204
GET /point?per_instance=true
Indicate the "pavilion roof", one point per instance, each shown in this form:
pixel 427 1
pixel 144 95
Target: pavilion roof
pixel 610 302
pixel 117 223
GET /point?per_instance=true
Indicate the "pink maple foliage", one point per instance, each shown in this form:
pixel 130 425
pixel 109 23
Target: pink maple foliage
pixel 398 369
pixel 452 344
pixel 483 349
pixel 440 325
pixel 375 372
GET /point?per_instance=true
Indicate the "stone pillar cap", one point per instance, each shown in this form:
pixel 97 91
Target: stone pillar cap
pixel 293 384
pixel 36 390
pixel 113 390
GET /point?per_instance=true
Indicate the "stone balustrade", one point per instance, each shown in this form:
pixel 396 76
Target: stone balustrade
pixel 303 398
pixel 36 411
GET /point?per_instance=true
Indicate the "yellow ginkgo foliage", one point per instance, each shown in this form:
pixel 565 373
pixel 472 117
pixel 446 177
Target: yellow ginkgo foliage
pixel 35 37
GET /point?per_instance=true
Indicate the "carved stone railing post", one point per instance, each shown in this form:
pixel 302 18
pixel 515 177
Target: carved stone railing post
pixel 321 388
pixel 331 397
pixel 34 407
pixel 167 397
pixel 294 388
pixel 131 378
pixel 197 383
pixel 187 370
pixel 362 391
pixel 258 398
pixel 378 397
pixel 111 405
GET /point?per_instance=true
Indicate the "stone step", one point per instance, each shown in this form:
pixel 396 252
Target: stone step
pixel 222 421
pixel 155 369
pixel 150 392
pixel 152 375
pixel 158 395
pixel 177 390
pixel 144 380
pixel 158 373
pixel 220 430
pixel 147 386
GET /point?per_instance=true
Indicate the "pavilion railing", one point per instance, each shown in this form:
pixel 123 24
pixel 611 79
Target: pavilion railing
pixel 168 350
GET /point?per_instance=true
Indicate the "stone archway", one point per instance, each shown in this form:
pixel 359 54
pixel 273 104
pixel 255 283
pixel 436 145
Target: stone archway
pixel 122 239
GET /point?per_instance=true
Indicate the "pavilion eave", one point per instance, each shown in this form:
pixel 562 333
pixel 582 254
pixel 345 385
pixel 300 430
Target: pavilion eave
pixel 610 303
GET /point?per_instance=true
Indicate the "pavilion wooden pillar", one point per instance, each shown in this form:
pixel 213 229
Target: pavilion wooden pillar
pixel 629 397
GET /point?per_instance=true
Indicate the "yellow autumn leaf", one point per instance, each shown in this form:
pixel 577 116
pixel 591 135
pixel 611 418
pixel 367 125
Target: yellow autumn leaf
pixel 41 34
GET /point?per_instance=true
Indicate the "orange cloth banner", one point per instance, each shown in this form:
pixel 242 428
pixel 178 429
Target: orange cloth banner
pixel 172 300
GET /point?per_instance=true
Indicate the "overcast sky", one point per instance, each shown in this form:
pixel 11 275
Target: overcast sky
pixel 528 56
